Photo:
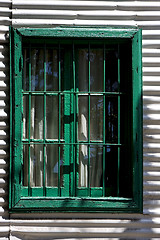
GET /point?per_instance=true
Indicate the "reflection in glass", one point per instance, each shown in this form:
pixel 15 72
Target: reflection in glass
pixel 37 117
pixel 96 166
pixel 82 69
pixel 83 118
pixel 111 156
pixel 53 166
pixel 36 165
pixel 52 70
pixel 111 60
pixel 25 117
pixel 66 67
pixel 26 69
pixel 37 69
pixel 96 117
pixel 83 166
pixel 52 117
pixel 25 164
pixel 112 119
pixel 96 70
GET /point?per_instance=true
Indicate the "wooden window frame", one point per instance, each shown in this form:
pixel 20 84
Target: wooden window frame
pixel 18 203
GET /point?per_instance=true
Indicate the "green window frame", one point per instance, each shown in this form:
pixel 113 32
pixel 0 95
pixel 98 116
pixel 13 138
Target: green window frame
pixel 69 197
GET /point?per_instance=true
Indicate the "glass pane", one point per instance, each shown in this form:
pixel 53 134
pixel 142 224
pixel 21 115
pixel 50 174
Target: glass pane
pixel 83 118
pixel 96 166
pixel 25 116
pixel 66 67
pixel 25 164
pixel 52 70
pixel 83 166
pixel 37 117
pixel 53 166
pixel 26 69
pixel 82 69
pixel 36 165
pixel 37 69
pixel 112 119
pixel 96 117
pixel 111 162
pixel 96 70
pixel 111 60
pixel 52 118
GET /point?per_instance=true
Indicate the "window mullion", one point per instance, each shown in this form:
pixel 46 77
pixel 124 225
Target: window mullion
pixel 67 125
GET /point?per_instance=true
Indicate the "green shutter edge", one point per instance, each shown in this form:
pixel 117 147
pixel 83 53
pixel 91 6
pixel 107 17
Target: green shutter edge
pixel 18 203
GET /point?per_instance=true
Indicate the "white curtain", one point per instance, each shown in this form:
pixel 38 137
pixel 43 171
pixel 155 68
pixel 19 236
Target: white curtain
pixel 94 164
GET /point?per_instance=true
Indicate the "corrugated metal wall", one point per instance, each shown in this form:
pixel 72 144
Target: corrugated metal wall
pixel 5 21
pixel 40 13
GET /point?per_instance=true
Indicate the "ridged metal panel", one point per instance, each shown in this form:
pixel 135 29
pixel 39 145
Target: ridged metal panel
pixel 5 21
pixel 50 13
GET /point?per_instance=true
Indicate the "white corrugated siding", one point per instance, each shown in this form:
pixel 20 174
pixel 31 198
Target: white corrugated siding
pixel 40 13
pixel 5 14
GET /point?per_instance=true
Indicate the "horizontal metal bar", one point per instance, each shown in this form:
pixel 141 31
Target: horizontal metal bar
pixel 79 143
pixel 69 92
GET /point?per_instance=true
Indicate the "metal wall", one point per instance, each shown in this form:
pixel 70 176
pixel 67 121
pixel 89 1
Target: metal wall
pixel 50 13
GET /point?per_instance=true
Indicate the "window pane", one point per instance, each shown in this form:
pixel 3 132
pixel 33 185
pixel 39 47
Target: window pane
pixel 37 69
pixel 96 70
pixel 83 118
pixel 111 70
pixel 53 165
pixel 82 69
pixel 96 166
pixel 52 76
pixel 111 162
pixel 26 69
pixel 25 164
pixel 36 165
pixel 66 67
pixel 25 116
pixel 96 118
pixel 37 117
pixel 83 166
pixel 52 117
pixel 112 119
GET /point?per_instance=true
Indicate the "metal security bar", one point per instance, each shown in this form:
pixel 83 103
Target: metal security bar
pixel 64 157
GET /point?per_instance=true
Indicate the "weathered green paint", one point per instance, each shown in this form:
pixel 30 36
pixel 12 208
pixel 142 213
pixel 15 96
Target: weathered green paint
pixel 79 32
pixel 11 116
pixel 137 119
pixel 17 119
pixel 88 199
pixel 76 204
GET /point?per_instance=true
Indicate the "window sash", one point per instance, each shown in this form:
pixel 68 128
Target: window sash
pixel 71 142
pixel 18 202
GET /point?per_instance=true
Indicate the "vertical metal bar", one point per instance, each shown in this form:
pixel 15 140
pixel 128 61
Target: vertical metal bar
pixel 118 169
pixel 59 119
pixel 29 119
pixel 44 126
pixel 74 124
pixel 104 123
pixel 89 104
